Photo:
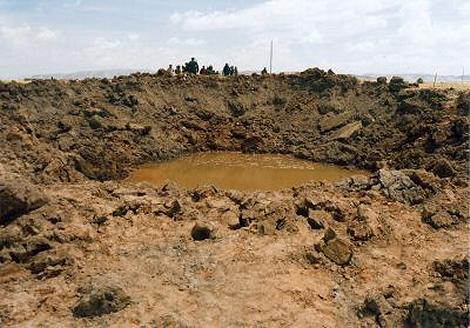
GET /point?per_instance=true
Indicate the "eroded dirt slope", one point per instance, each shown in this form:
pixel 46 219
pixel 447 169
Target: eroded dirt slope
pixel 79 248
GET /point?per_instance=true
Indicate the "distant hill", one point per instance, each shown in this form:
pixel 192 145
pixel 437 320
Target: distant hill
pixel 116 72
pixel 413 77
pixel 90 74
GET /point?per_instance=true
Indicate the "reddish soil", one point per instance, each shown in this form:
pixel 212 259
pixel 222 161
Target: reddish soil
pixel 79 247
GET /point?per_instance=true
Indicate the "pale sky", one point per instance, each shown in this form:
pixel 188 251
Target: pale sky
pixel 360 36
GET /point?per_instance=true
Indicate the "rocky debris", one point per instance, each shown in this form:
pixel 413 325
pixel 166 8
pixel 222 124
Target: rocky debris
pixel 443 169
pixel 237 109
pixel 203 192
pixel 397 84
pixel 22 252
pixel 334 248
pixel 168 321
pixel 347 131
pixel 456 270
pixel 280 215
pixel 50 263
pixel 50 131
pixel 360 231
pixel 398 186
pixel 318 219
pixel 366 224
pixel 382 80
pixel 97 301
pixel 422 313
pixel 331 122
pixel 79 122
pixel 319 81
pixel 231 219
pixel 174 208
pixel 463 103
pixel 11 272
pixel 304 205
pixel 252 144
pixel 379 307
pixel 426 180
pixel 267 227
pixel 439 220
pixel 202 231
pixel 18 197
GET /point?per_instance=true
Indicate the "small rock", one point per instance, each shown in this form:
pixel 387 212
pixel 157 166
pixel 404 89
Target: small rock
pixel 174 208
pixel 313 256
pixel 202 231
pixel 379 307
pixel 318 219
pixel 23 252
pixel 329 235
pixel 347 131
pixel 360 231
pixel 97 301
pixel 267 227
pixel 18 197
pixel 50 263
pixel 443 169
pixel 439 220
pixel 337 251
pixel 232 220
pixel 331 122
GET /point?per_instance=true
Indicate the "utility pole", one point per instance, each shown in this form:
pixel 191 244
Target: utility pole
pixel 271 58
pixel 435 80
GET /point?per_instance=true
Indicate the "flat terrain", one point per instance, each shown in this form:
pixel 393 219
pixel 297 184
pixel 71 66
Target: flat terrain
pixel 446 85
pixel 80 246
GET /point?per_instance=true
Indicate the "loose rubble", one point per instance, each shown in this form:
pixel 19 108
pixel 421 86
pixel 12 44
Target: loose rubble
pixel 82 246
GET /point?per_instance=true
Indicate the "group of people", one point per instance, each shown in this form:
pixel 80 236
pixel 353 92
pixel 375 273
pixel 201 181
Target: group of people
pixel 192 67
pixel 230 70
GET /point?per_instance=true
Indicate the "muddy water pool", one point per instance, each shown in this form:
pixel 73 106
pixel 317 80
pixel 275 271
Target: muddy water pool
pixel 246 172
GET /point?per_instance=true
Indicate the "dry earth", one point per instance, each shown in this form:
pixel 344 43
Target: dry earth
pixel 79 247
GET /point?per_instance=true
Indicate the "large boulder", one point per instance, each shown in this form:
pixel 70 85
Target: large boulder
pixel 18 197
pixel 398 186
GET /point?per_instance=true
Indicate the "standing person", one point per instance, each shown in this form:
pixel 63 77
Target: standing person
pixel 193 66
pixel 226 70
pixel 235 71
pixel 170 69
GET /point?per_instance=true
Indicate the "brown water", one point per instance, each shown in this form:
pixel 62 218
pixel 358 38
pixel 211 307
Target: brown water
pixel 247 172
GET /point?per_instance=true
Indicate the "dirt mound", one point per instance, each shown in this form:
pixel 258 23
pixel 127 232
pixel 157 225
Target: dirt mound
pixel 81 247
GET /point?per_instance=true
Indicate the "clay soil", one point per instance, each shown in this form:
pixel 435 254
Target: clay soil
pixel 82 247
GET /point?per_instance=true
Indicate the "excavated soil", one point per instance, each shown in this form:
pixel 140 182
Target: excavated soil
pixel 80 246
